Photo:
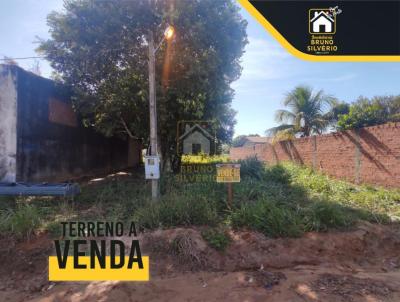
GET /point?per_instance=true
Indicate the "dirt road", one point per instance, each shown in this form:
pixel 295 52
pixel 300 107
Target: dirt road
pixel 360 265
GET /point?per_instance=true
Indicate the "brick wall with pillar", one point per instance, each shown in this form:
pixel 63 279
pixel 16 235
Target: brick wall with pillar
pixel 368 155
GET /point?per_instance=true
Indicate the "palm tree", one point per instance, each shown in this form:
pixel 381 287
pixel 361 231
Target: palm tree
pixel 307 113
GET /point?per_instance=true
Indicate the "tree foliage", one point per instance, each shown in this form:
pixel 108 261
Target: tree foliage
pixel 238 141
pixel 100 49
pixel 307 114
pixel 337 109
pixel 369 112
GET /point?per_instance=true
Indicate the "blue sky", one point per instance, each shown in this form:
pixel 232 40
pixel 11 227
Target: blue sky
pixel 269 71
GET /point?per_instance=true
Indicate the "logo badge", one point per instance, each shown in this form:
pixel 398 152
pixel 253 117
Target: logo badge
pixel 322 21
pixel 196 137
pixel 322 28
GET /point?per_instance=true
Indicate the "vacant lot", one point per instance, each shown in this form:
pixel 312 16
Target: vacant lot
pixel 290 235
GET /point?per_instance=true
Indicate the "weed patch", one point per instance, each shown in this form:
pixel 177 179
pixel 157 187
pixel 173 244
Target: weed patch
pixel 21 221
pixel 321 216
pixel 268 218
pixel 217 238
pixel 283 200
pixel 177 210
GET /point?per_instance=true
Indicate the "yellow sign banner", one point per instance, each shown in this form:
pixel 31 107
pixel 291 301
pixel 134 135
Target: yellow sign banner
pixel 228 173
pixel 69 273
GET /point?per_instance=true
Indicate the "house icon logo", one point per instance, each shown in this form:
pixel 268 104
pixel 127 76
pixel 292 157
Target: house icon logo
pixel 322 21
pixel 196 137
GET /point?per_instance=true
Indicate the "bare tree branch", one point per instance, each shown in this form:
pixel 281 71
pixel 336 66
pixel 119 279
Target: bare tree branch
pixel 127 129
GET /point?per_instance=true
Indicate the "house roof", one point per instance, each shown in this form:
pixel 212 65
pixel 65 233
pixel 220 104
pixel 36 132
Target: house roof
pixel 194 128
pixel 258 139
pixel 321 13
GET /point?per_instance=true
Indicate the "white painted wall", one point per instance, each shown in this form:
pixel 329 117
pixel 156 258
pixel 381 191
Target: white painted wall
pixel 8 125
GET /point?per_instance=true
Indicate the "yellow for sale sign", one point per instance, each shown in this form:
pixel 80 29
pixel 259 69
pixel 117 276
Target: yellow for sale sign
pixel 228 172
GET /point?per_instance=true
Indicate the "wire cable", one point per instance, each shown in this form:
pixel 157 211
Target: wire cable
pixel 21 58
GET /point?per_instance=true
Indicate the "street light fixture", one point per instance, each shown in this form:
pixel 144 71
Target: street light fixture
pixel 168 34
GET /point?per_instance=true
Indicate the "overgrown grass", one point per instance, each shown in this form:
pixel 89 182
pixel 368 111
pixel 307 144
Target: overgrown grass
pixel 177 210
pixel 279 201
pixel 20 221
pixel 269 218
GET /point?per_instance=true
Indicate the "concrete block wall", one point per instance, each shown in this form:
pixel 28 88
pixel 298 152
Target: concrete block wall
pixel 41 137
pixel 8 125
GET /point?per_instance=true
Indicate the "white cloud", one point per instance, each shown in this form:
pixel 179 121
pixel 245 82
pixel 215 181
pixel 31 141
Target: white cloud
pixel 266 48
pixel 263 60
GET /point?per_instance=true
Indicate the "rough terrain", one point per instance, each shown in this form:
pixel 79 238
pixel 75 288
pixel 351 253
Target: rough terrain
pixel 358 265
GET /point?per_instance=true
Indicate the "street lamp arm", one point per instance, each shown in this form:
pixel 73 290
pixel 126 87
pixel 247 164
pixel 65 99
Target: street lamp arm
pixel 159 45
pixel 168 34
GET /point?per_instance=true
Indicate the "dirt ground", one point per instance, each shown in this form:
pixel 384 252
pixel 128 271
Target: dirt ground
pixel 358 265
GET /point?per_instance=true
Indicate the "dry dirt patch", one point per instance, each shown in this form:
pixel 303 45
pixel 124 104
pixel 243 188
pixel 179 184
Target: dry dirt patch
pixel 360 265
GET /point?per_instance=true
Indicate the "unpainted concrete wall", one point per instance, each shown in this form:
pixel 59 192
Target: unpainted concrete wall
pixel 51 144
pixel 8 125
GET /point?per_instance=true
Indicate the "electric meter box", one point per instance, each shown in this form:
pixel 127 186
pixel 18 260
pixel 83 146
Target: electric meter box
pixel 152 166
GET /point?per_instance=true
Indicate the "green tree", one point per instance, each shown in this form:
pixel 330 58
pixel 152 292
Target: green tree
pixel 336 111
pixel 307 113
pixel 100 49
pixel 369 112
pixel 238 141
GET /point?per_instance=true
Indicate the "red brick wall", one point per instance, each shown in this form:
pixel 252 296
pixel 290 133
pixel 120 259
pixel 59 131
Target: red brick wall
pixel 258 150
pixel 369 155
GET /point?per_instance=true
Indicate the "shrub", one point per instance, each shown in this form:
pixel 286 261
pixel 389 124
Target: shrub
pixel 249 190
pixel 251 167
pixel 322 216
pixel 217 238
pixel 268 218
pixel 277 173
pixel 21 221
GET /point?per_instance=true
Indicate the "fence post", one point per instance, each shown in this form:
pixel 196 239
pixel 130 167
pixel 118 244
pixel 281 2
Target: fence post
pixel 289 147
pixel 357 158
pixel 230 195
pixel 314 152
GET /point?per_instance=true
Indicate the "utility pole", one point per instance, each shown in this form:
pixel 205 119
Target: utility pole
pixel 153 162
pixel 155 190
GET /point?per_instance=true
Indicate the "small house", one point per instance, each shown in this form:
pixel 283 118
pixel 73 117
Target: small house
pixel 252 141
pixel 196 140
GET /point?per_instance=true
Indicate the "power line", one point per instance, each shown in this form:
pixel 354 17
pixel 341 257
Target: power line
pixel 22 58
pixel 6 58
